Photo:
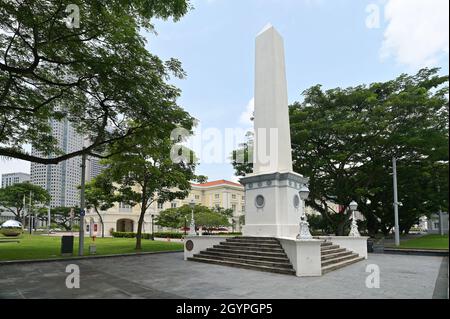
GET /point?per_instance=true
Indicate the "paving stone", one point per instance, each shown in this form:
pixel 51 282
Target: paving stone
pixel 169 276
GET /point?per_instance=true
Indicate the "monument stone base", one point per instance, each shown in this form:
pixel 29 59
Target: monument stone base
pixel 272 204
pixel 276 231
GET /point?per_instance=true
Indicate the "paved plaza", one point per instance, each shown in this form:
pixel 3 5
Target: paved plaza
pixel 169 276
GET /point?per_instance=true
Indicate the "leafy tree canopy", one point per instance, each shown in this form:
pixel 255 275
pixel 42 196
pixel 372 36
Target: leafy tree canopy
pixel 203 216
pixel 97 74
pixel 344 141
pixel 12 198
pixel 148 171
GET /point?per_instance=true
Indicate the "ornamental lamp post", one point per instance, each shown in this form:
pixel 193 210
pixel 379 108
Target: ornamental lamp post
pixel 354 227
pixel 304 225
pixel 192 225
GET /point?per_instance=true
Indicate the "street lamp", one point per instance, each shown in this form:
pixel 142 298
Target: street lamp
pixel 304 225
pixel 354 227
pixel 185 225
pixel 192 225
pixel 153 236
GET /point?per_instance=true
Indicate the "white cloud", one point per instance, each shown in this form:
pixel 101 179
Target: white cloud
pixel 235 179
pixel 13 166
pixel 246 116
pixel 417 32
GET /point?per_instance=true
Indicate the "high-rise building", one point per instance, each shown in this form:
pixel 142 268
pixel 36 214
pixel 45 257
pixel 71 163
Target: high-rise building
pixel 93 168
pixel 61 180
pixel 14 178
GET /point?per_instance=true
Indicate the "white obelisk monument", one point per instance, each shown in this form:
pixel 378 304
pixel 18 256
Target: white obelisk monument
pixel 273 207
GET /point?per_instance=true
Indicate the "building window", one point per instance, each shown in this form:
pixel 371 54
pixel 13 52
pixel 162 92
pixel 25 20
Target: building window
pixel 216 196
pixel 233 196
pixel 197 196
pixel 243 198
pixel 233 207
pixel 243 208
pixel 122 205
pixel 160 205
pixel 173 205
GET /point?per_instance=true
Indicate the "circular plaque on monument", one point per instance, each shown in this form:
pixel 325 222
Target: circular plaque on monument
pixel 259 201
pixel 189 245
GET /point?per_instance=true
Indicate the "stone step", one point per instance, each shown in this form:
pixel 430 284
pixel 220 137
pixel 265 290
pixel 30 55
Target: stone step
pixel 248 252
pixel 328 247
pixel 258 238
pixel 246 244
pixel 244 265
pixel 250 248
pixel 339 254
pixel 326 243
pixel 246 256
pixel 338 259
pixel 342 264
pixel 253 241
pixel 332 251
pixel 247 261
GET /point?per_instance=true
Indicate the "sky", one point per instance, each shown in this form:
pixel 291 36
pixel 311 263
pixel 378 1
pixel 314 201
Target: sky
pixel 335 43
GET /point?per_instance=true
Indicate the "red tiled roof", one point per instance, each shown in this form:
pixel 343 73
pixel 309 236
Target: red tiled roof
pixel 216 183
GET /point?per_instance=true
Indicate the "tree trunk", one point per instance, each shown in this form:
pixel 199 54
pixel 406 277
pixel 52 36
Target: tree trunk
pixel 139 230
pixel 340 228
pixel 101 222
pixel 144 202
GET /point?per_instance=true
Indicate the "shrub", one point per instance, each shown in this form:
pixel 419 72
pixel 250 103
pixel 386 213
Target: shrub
pixel 123 234
pixel 145 235
pixel 164 235
pixel 169 235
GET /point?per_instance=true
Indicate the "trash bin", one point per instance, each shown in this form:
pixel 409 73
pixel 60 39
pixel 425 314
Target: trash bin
pixel 67 245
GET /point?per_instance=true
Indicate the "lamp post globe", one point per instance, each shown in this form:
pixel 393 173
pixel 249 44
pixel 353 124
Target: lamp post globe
pixel 304 192
pixel 353 205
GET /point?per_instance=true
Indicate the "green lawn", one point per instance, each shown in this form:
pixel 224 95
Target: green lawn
pixel 43 247
pixel 427 242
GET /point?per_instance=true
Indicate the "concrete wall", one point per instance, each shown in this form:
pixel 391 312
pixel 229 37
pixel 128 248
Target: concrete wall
pixel 304 255
pixel 355 244
pixel 202 243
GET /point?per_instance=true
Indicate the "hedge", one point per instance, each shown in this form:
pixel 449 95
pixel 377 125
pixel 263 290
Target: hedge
pixel 161 235
pixel 146 235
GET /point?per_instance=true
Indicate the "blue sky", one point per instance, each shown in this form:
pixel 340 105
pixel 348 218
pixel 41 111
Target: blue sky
pixel 328 42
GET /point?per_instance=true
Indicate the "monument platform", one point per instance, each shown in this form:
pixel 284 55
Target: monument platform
pixel 289 256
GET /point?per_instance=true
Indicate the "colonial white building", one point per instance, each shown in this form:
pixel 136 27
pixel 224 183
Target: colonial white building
pixel 124 218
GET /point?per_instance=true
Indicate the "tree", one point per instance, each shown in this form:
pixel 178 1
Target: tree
pixel 242 158
pixel 147 172
pixel 14 198
pixel 62 216
pixel 100 194
pixel 344 141
pixel 203 216
pixel 93 70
